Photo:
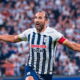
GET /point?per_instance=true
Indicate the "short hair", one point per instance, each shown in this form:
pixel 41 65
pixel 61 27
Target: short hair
pixel 46 14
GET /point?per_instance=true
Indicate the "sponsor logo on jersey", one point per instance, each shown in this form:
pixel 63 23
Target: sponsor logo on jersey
pixel 38 46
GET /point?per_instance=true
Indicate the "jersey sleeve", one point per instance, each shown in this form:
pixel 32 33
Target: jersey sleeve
pixel 24 35
pixel 61 40
pixel 59 37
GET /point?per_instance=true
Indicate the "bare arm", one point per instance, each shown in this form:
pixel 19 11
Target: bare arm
pixel 72 45
pixel 10 38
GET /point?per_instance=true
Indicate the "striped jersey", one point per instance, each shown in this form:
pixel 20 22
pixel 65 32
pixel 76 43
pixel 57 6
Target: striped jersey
pixel 42 48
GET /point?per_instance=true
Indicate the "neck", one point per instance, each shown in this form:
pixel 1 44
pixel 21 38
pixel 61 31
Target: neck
pixel 42 30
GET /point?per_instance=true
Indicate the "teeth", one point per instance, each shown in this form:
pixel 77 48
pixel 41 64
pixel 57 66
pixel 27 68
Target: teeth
pixel 37 24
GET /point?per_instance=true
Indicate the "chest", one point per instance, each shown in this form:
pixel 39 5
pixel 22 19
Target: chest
pixel 39 40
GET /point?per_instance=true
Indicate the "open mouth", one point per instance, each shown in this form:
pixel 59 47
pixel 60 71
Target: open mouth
pixel 37 24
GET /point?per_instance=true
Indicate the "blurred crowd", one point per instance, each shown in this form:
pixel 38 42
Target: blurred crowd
pixel 17 15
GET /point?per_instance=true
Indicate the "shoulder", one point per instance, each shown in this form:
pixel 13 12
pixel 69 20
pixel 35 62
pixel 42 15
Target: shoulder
pixel 25 33
pixel 30 30
pixel 51 30
pixel 54 33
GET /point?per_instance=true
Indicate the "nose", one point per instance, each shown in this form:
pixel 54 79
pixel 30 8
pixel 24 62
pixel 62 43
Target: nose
pixel 36 19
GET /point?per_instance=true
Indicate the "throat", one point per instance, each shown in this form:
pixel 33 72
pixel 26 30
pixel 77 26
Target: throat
pixel 41 30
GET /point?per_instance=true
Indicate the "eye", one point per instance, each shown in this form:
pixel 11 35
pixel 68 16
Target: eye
pixel 40 17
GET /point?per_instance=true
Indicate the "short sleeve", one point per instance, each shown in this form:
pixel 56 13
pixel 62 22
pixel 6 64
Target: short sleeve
pixel 57 35
pixel 24 35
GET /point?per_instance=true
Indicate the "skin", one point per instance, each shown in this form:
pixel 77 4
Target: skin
pixel 29 78
pixel 40 24
pixel 40 21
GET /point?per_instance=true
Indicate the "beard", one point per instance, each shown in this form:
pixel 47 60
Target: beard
pixel 39 26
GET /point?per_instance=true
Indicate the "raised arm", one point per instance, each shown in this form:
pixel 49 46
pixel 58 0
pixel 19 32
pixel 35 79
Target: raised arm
pixel 16 38
pixel 10 38
pixel 72 45
pixel 62 40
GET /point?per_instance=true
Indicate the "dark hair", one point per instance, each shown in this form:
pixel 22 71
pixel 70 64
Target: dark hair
pixel 46 15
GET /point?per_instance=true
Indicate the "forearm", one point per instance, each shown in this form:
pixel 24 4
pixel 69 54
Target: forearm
pixel 7 38
pixel 76 46
pixel 72 45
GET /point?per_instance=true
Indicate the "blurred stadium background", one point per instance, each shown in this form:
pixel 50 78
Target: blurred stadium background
pixel 17 15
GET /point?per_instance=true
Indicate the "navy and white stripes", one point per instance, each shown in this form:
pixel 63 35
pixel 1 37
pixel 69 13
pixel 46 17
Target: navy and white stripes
pixel 42 48
pixel 40 52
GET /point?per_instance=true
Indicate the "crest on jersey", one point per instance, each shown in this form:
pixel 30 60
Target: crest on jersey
pixel 45 39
